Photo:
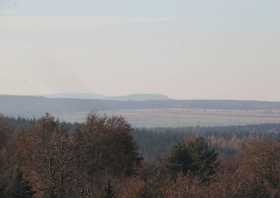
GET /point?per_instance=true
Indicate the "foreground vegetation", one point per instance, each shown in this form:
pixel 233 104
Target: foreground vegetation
pixel 105 157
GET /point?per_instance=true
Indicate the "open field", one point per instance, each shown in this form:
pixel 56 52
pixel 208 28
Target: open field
pixel 150 113
pixel 184 117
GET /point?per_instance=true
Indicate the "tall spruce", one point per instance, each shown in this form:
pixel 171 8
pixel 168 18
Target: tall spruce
pixel 196 158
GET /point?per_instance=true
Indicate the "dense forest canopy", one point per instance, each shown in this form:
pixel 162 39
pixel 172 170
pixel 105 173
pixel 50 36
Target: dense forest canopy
pixel 106 157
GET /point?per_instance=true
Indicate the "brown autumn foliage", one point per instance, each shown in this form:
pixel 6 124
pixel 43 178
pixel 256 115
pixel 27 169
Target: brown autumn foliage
pixel 99 158
pixel 104 150
pixel 59 164
pixel 131 187
pixel 254 173
pixel 45 152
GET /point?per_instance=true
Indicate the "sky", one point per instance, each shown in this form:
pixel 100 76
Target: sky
pixel 186 49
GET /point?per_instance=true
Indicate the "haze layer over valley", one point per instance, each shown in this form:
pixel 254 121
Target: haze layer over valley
pixel 144 110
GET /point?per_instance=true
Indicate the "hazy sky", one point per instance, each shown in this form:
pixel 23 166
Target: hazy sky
pixel 192 49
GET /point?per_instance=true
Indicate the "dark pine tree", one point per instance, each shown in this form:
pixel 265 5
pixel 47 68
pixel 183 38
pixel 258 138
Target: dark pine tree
pixel 196 158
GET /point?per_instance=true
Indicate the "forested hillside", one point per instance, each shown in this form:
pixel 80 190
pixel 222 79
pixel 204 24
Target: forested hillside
pixel 105 158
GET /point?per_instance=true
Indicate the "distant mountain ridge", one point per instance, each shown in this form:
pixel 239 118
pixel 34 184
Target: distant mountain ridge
pixel 37 106
pixel 130 97
pixel 76 96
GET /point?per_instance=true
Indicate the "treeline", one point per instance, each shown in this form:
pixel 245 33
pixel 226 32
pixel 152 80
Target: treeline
pixel 156 143
pixel 105 158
